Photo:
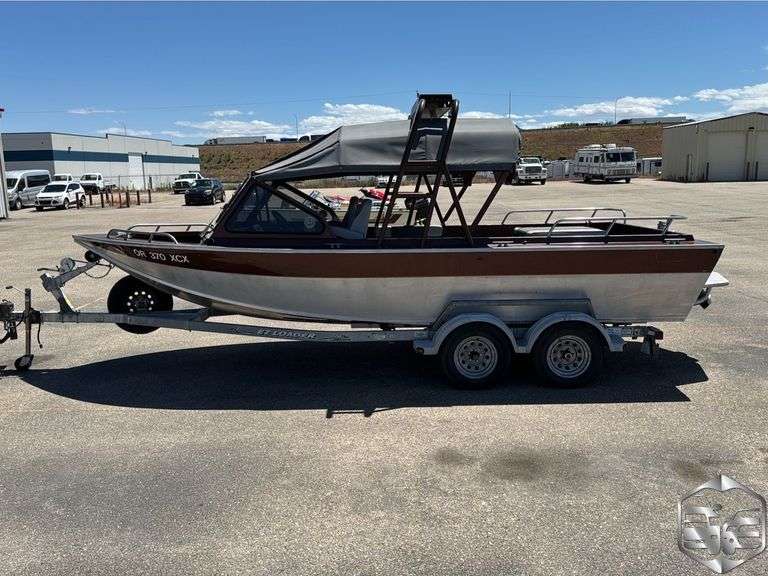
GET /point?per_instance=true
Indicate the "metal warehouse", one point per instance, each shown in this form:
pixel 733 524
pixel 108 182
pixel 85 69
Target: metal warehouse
pixel 734 148
pixel 128 161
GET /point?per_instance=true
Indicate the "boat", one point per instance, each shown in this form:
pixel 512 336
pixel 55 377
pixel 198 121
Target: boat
pixel 276 252
pixel 561 284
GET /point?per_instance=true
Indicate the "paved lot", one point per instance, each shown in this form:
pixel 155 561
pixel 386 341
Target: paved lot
pixel 183 453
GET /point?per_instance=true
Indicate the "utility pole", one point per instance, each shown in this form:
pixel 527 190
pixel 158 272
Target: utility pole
pixel 509 104
pixel 4 206
pixel 296 117
pixel 615 109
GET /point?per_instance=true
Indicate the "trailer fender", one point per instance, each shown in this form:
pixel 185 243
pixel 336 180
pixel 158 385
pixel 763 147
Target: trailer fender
pixel 431 346
pixel 614 342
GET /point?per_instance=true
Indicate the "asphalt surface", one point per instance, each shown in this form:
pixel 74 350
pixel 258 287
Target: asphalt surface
pixel 188 453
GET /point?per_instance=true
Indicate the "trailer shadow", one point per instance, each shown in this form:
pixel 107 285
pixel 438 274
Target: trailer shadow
pixel 339 378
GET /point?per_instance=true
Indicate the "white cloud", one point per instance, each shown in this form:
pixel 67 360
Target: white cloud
pixel 225 113
pixel 336 115
pixel 626 106
pixel 127 131
pixel 680 99
pixel 86 111
pixel 214 128
pixel 744 99
pixel 175 134
pixel 477 114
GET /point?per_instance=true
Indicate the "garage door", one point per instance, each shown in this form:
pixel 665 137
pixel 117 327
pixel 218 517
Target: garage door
pixel 727 155
pixel 761 155
pixel 135 172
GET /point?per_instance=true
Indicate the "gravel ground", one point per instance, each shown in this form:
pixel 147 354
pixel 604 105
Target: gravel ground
pixel 188 453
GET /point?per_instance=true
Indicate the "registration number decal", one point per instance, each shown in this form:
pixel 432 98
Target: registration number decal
pixel 161 256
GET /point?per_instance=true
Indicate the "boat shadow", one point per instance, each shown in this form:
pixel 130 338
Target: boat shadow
pixel 342 378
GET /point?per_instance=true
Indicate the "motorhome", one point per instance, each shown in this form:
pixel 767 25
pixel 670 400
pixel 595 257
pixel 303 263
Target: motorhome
pixel 606 162
pixel 23 186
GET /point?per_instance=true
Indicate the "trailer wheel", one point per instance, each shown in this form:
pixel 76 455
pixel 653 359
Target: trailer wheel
pixel 130 295
pixel 627 180
pixel 542 182
pixel 568 355
pixel 475 356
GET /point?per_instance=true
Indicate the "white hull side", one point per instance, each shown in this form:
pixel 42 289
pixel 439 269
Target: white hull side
pixel 419 301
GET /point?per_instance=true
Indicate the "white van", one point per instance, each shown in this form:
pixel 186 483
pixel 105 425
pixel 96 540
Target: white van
pixel 23 186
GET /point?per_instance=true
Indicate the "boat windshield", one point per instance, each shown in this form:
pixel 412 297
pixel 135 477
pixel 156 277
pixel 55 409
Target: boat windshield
pixel 264 212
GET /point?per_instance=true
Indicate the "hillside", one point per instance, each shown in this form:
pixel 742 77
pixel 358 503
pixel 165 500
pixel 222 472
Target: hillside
pixel 232 162
pixel 554 143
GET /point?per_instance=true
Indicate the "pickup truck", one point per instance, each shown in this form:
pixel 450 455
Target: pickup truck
pixel 187 180
pixel 95 182
pixel 62 177
pixel 530 169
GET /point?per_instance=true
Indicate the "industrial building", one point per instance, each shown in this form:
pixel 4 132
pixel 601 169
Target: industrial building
pixel 734 148
pixel 127 161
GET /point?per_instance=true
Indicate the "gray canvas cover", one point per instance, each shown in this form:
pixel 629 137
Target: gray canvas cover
pixel 478 144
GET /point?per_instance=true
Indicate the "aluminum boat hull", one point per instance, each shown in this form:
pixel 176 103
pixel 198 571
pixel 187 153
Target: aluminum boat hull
pixel 622 283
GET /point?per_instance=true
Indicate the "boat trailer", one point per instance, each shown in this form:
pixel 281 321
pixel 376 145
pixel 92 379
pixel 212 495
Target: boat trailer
pixel 429 340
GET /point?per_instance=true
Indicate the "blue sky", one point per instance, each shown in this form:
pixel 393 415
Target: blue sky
pixel 193 71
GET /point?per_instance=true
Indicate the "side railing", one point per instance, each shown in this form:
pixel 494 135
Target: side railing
pixel 152 232
pixel 552 211
pixel 662 227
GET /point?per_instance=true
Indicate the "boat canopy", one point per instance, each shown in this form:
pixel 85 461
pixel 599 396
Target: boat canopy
pixel 478 144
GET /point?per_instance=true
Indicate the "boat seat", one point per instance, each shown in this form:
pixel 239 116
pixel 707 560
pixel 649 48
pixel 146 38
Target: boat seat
pixel 561 231
pixel 354 226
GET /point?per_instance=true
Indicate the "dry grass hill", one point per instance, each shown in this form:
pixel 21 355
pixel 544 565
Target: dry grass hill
pixel 232 162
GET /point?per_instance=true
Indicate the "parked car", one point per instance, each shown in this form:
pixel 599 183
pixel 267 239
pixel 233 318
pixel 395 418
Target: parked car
pixel 62 177
pixel 60 195
pixel 205 191
pixel 185 181
pixel 95 182
pixel 23 186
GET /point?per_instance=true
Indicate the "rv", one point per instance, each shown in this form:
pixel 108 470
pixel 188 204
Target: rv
pixel 605 162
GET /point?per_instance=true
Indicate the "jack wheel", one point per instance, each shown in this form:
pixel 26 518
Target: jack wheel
pixel 23 363
pixel 130 296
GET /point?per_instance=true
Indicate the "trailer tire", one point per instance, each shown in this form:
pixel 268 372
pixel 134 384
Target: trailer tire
pixel 475 356
pixel 542 182
pixel 627 180
pixel 130 295
pixel 569 355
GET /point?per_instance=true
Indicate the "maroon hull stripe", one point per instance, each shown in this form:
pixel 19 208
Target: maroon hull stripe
pixel 494 262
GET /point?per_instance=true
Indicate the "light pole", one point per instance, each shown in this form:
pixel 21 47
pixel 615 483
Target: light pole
pixel 4 206
pixel 615 109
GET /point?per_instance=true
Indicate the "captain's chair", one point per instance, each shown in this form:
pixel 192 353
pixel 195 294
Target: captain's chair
pixel 354 226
